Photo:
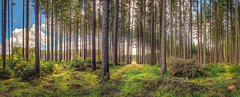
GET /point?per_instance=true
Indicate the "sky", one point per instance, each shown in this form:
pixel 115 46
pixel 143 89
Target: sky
pixel 18 16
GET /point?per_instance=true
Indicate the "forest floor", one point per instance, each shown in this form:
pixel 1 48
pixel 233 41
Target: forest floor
pixel 128 80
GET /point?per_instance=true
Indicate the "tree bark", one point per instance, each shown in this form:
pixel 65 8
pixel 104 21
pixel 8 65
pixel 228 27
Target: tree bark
pixel 115 46
pixel 37 61
pixel 236 30
pixel 163 48
pixel 93 36
pixel 104 74
pixel 4 34
pixel 27 31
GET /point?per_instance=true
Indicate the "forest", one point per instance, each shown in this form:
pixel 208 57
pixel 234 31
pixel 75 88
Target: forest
pixel 120 48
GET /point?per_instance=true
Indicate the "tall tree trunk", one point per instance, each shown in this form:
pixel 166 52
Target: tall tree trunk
pixel 152 35
pixel 104 74
pixel 191 51
pixel 204 35
pixel 201 30
pixel 93 36
pixel 115 40
pixel 128 35
pixel 171 33
pixel 143 33
pixel 231 31
pixel 198 54
pixel 23 28
pixel 226 58
pixel 70 36
pixel 4 34
pixel 52 32
pixel 163 48
pixel 180 29
pixel 61 34
pixel 236 30
pixel 84 38
pixel 216 35
pixel 56 37
pixel 48 44
pixel 12 26
pixel 27 31
pixel 37 61
pixel 8 29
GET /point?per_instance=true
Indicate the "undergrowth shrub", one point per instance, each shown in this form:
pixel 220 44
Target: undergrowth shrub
pixel 214 70
pixel 122 63
pixel 28 73
pixel 18 69
pixel 184 68
pixel 48 68
pixel 7 73
pixel 234 69
pixel 12 63
pixel 77 62
pixel 99 62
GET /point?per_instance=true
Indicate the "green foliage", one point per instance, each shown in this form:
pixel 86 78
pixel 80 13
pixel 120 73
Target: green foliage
pixel 18 69
pixel 28 73
pixel 214 70
pixel 77 62
pixel 7 73
pixel 122 63
pixel 48 68
pixel 99 62
pixel 12 63
pixel 234 69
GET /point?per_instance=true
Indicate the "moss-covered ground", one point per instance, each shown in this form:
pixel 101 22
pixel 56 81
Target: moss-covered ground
pixel 126 80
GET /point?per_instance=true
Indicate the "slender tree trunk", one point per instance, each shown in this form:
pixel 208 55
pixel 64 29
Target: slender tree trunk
pixel 12 26
pixel 104 74
pixel 152 35
pixel 56 37
pixel 175 41
pixel 180 29
pixel 61 34
pixel 52 32
pixel 4 35
pixel 227 51
pixel 236 30
pixel 70 37
pixel 23 28
pixel 37 61
pixel 128 35
pixel 191 51
pixel 48 44
pixel 216 35
pixel 93 37
pixel 27 31
pixel 171 33
pixel 9 48
pixel 163 66
pixel 204 35
pixel 115 46
pixel 231 31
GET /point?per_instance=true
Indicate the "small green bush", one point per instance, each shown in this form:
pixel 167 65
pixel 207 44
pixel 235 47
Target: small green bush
pixel 28 73
pixel 214 70
pixel 6 73
pixel 48 68
pixel 77 62
pixel 18 69
pixel 234 69
pixel 122 63
pixel 99 62
pixel 12 63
